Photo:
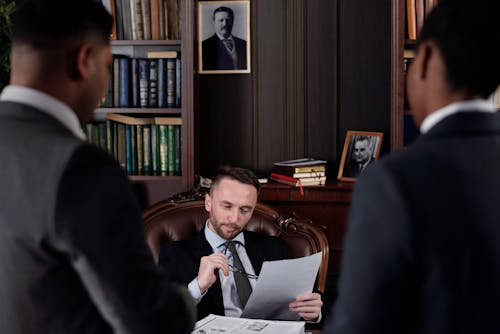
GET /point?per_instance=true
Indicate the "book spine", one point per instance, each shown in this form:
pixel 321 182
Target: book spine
pixel 177 82
pixel 161 19
pixel 163 145
pixel 133 149
pixel 155 19
pixel 140 149
pixel 162 82
pixel 177 150
pixel 124 81
pixel 171 95
pixel 122 149
pixel 153 82
pixel 138 19
pixel 171 156
pixel 101 128
pixel 109 137
pixel 107 101
pixel 155 151
pixel 146 18
pixel 128 145
pixel 143 82
pixel 116 82
pixel 134 67
pixel 146 142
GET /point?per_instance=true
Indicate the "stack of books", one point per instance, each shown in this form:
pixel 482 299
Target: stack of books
pixel 299 172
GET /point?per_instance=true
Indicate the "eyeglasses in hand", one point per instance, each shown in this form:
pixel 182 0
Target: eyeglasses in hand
pixel 233 269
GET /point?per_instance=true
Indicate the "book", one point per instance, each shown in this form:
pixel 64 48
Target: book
pixel 300 162
pixel 124 82
pixel 296 182
pixel 143 77
pixel 146 18
pixel 411 19
pixel 155 19
pixel 153 83
pixel 162 54
pixel 124 119
pixel 304 165
pixel 298 175
pixel 171 83
pixel 172 10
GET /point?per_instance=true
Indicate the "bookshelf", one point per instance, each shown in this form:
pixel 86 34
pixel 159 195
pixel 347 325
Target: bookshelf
pixel 152 187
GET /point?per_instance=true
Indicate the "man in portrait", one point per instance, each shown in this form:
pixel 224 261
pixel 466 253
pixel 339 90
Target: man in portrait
pixel 361 156
pixel 223 51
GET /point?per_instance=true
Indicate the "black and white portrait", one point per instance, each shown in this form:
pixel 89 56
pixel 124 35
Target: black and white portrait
pixel 360 149
pixel 224 36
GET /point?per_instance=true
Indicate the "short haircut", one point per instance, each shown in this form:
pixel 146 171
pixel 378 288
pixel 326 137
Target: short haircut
pixel 48 23
pixel 224 9
pixel 241 175
pixel 468 36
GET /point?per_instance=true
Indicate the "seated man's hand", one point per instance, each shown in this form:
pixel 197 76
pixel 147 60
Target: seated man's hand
pixel 208 270
pixel 307 305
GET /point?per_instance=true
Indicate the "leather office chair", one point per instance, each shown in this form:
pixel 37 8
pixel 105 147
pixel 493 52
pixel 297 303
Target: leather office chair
pixel 167 222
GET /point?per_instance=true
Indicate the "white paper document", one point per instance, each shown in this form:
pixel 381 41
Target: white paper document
pixel 228 325
pixel 279 283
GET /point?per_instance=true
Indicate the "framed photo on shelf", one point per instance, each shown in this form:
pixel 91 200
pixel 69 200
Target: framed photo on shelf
pixel 360 149
pixel 224 37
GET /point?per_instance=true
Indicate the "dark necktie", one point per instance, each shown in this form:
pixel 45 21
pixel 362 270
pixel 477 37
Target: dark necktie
pixel 229 44
pixel 242 284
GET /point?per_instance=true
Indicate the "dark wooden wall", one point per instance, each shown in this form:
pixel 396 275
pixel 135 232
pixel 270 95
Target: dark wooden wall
pixel 285 108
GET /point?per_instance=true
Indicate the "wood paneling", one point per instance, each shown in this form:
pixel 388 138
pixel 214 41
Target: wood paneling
pixel 286 108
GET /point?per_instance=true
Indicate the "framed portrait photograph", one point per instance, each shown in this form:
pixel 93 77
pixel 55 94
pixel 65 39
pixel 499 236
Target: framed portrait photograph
pixel 360 149
pixel 223 37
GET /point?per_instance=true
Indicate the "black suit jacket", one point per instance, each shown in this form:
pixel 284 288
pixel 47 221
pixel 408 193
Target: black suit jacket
pixel 181 260
pixel 422 250
pixel 351 169
pixel 216 57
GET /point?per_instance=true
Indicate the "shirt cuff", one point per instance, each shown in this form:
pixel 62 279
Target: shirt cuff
pixel 315 321
pixel 194 290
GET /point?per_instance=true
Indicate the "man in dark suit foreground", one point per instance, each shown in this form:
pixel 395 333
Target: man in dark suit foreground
pixel 422 251
pixel 223 51
pixel 206 263
pixel 73 258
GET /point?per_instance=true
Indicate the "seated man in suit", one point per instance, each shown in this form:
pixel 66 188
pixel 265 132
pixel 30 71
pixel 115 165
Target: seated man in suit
pixel 223 51
pixel 219 280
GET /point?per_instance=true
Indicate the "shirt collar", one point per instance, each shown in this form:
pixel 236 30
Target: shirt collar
pixel 46 103
pixel 216 241
pixel 477 105
pixel 222 37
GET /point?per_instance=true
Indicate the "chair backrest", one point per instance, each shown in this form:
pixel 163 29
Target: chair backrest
pixel 167 222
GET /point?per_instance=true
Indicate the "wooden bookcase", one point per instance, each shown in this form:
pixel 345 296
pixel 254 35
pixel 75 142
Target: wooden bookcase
pixel 152 188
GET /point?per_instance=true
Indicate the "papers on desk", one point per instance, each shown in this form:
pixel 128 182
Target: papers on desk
pixel 279 283
pixel 229 325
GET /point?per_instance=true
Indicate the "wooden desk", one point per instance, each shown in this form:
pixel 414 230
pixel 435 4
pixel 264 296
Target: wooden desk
pixel 325 205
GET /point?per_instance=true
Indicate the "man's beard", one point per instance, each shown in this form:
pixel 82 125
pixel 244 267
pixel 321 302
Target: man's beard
pixel 218 229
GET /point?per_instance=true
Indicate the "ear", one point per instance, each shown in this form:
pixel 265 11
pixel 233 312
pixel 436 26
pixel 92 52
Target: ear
pixel 426 51
pixel 208 202
pixel 85 61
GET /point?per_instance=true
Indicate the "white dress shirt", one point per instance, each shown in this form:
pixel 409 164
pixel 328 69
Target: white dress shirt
pixel 476 105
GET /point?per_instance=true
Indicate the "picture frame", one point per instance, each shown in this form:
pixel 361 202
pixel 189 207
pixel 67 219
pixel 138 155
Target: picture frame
pixel 231 54
pixel 360 149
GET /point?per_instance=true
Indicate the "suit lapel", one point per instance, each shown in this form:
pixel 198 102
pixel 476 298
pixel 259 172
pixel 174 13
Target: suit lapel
pixel 212 302
pixel 255 253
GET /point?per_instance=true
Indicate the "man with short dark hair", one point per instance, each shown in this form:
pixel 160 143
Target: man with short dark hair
pixel 223 51
pixel 73 258
pixel 209 265
pixel 422 250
